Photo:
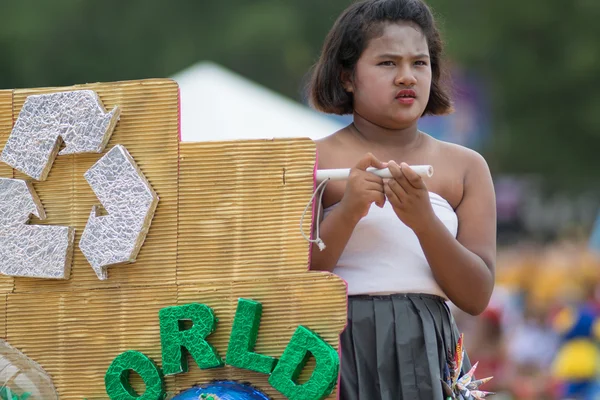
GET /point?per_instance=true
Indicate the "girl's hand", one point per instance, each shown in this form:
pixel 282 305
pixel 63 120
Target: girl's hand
pixel 363 188
pixel 409 196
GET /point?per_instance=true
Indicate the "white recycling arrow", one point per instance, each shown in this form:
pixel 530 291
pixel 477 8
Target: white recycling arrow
pixel 78 117
pixel 36 251
pixel 130 201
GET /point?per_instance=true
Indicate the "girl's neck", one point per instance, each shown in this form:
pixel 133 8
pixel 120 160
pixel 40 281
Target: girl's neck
pixel 405 138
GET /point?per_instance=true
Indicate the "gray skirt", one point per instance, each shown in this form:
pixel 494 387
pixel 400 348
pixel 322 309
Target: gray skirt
pixel 396 347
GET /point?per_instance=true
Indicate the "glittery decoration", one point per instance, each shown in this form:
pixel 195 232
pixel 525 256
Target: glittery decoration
pixel 117 377
pixel 304 342
pixel 130 201
pixel 244 332
pixel 7 394
pixel 35 251
pixel 457 387
pixel 22 378
pixel 78 117
pixel 222 390
pixel 173 338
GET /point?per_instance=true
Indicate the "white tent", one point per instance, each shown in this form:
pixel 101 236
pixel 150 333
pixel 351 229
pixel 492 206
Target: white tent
pixel 217 104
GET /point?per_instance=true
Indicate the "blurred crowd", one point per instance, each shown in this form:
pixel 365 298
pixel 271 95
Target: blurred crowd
pixel 540 336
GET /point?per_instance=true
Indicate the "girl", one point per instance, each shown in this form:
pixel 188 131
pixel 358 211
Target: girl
pixel 405 245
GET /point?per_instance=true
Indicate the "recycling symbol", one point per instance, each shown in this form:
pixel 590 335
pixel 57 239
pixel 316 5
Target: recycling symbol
pixel 79 120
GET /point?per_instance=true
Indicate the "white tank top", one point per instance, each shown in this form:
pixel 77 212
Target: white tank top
pixel 384 256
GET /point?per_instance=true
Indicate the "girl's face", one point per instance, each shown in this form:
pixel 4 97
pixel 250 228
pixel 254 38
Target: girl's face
pixel 392 80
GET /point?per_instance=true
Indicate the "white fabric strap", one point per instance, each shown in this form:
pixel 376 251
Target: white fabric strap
pixel 319 190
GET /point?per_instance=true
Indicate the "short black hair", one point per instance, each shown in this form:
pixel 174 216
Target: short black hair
pixel 348 38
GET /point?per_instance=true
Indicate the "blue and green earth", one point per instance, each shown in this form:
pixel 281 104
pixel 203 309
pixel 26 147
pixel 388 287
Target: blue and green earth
pixel 222 390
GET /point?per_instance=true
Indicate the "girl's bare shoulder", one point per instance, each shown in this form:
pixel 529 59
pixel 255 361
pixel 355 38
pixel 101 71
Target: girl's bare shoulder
pixel 330 148
pixel 458 156
pixel 457 169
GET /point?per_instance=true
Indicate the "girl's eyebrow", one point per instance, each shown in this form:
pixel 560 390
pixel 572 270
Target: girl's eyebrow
pixel 392 55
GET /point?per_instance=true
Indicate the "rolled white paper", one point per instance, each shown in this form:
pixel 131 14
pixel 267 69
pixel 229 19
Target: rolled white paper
pixel 425 171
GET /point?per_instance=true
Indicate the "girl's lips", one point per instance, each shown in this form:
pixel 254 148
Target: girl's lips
pixel 406 100
pixel 406 93
pixel 406 96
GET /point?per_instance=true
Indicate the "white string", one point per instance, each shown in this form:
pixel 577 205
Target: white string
pixel 320 189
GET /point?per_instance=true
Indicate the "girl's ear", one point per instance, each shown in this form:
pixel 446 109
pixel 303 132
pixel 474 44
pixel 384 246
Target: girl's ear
pixel 346 79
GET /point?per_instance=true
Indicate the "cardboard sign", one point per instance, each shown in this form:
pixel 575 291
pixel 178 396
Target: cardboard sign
pixel 225 228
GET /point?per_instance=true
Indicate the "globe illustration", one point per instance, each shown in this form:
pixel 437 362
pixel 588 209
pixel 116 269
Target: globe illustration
pixel 222 390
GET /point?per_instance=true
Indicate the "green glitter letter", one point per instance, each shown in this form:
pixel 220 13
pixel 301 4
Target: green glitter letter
pixel 240 353
pixel 294 358
pixel 117 377
pixel 173 339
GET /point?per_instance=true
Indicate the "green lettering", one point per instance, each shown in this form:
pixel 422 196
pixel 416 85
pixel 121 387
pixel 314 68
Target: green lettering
pixel 240 352
pixel 117 377
pixel 174 339
pixel 304 342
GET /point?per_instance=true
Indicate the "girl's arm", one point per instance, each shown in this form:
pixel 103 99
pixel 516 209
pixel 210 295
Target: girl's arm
pixel 363 189
pixel 464 266
pixel 335 231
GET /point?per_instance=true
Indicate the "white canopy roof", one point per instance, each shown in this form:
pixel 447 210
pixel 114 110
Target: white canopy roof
pixel 217 104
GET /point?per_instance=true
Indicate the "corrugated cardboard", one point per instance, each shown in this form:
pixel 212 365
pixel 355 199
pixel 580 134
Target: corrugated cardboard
pixel 227 227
